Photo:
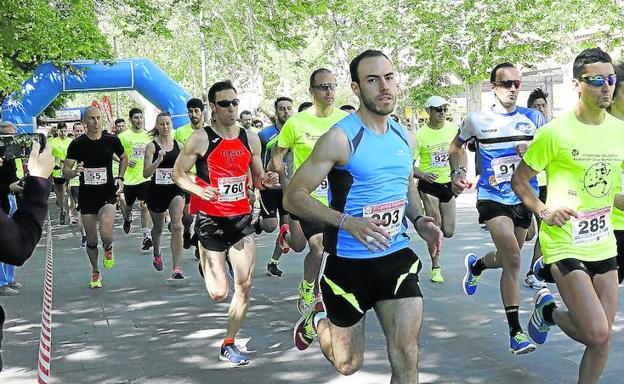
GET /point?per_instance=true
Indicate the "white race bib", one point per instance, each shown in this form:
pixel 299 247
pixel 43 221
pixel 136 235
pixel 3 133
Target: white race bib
pixel 591 226
pixel 321 190
pixel 232 188
pixel 440 159
pixel 95 176
pixel 164 176
pixel 138 151
pixel 391 213
pixel 504 167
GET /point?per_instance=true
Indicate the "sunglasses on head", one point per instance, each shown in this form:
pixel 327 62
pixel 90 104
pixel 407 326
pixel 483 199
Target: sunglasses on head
pixel 440 109
pixel 325 87
pixel 227 103
pixel 508 83
pixel 599 80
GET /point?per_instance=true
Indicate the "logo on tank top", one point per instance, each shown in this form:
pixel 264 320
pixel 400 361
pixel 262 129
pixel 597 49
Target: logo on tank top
pixel 230 155
pixel 597 180
pixel 524 127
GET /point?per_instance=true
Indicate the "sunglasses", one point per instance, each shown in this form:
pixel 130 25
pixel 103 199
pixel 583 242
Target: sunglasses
pixel 440 109
pixel 599 80
pixel 508 83
pixel 326 87
pixel 227 103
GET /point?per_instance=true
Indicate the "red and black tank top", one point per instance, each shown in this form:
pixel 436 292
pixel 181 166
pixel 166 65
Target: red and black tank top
pixel 224 166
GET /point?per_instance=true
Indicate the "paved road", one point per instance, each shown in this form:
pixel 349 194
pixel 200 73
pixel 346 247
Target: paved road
pixel 143 328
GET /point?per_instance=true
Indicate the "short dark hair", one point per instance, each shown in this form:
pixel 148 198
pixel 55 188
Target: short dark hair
pixel 255 121
pixel 536 94
pixel 245 112
pixel 316 72
pixel 119 121
pixel 355 63
pixel 280 99
pixel 61 125
pixel 589 56
pixel 506 64
pixel 218 87
pixel 133 112
pixel 619 72
pixel 347 107
pixel 303 106
pixel 195 103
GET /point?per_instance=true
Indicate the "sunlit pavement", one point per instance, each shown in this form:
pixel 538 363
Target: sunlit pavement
pixel 145 328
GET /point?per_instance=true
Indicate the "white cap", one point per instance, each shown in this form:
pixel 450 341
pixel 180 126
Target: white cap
pixel 435 101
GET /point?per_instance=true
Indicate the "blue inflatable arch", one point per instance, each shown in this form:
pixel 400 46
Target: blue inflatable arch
pixel 49 81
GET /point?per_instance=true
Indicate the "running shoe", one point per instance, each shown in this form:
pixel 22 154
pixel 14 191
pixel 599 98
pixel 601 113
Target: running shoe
pixel 530 281
pixel 537 268
pixel 520 344
pixel 281 238
pixel 177 273
pixel 256 226
pixel 186 240
pixel 306 297
pixel 157 262
pixel 15 285
pixel 273 270
pixel 538 327
pixel 109 258
pixel 304 332
pixel 147 244
pixel 83 242
pixel 436 275
pixel 96 280
pixel 470 281
pixel 232 354
pixel 62 217
pixel 5 290
pixel 127 225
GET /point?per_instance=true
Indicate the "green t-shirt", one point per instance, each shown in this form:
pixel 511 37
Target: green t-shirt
pixel 134 147
pixel 617 216
pixel 583 171
pixel 300 134
pixel 59 152
pixel 183 133
pixel 432 147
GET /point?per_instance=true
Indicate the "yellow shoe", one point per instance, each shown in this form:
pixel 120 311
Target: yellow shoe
pixel 96 280
pixel 109 258
pixel 436 275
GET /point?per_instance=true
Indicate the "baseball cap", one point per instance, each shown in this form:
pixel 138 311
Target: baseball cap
pixel 435 101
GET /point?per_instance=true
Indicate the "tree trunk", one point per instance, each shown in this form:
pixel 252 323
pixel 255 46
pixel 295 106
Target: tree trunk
pixel 473 97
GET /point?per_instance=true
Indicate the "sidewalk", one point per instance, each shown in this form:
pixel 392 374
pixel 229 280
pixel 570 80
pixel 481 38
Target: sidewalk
pixel 145 328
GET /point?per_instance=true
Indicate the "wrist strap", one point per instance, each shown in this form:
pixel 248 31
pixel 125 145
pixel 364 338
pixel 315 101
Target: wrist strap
pixel 343 217
pixel 417 218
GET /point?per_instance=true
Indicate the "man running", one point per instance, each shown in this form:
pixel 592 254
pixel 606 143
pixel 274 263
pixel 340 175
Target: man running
pixel 59 151
pixel 271 199
pixel 134 141
pixel 299 135
pixel 74 191
pixel 576 232
pixel 224 154
pixel 246 119
pixel 369 262
pixel 502 133
pixel 92 154
pixel 434 173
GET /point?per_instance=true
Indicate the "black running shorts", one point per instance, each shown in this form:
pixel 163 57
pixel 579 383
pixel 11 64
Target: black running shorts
pixel 90 203
pixel 220 233
pixel 489 209
pixel 158 198
pixel 271 203
pixel 350 287
pixel 135 192
pixel 309 228
pixel 592 268
pixel 442 191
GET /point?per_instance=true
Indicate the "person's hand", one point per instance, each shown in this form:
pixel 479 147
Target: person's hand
pixel 208 193
pixel 132 163
pixel 368 232
pixel 459 183
pixel 428 177
pixel 16 187
pixel 558 217
pixel 79 168
pixel 431 233
pixel 270 179
pixel 40 164
pixel 161 155
pixel 120 186
pixel 521 149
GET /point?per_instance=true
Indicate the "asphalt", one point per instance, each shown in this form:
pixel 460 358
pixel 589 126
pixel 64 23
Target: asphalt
pixel 145 328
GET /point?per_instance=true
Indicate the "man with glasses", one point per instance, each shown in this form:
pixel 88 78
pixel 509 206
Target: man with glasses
pixel 582 154
pixel 434 173
pixel 502 133
pixel 299 135
pixel 224 155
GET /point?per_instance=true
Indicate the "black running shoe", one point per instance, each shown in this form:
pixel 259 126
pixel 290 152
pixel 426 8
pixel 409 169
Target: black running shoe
pixel 147 244
pixel 127 225
pixel 273 270
pixel 62 218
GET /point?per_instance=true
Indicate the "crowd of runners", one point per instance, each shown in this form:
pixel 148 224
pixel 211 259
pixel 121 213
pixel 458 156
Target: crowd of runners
pixel 343 185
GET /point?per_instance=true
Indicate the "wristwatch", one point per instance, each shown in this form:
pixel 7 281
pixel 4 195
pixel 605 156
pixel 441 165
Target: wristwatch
pixel 119 178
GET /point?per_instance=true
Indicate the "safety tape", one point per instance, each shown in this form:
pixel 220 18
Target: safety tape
pixel 45 340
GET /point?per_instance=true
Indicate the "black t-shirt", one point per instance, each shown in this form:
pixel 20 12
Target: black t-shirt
pixel 97 159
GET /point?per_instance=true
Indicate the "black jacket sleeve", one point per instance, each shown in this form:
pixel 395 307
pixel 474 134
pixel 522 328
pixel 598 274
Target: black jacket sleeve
pixel 19 236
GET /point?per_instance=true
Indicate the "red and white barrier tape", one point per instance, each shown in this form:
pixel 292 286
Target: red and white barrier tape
pixel 45 340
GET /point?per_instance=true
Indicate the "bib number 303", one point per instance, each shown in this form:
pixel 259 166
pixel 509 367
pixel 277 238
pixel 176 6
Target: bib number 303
pixel 591 226
pixel 391 213
pixel 232 188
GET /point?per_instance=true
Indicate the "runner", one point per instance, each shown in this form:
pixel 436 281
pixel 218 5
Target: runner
pixel 74 187
pixel 271 199
pixel 163 194
pixel 434 173
pixel 120 126
pixel 59 151
pixel 502 134
pixel 224 155
pixel 299 135
pixel 369 262
pixel 577 240
pixel 134 141
pixel 92 154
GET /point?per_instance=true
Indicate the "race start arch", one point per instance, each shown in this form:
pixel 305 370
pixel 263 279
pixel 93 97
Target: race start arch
pixel 49 81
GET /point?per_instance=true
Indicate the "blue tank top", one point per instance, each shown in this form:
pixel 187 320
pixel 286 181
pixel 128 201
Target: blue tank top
pixel 373 183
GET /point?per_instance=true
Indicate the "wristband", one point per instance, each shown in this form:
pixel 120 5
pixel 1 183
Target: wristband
pixel 343 217
pixel 417 218
pixel 458 172
pixel 544 213
pixel 119 178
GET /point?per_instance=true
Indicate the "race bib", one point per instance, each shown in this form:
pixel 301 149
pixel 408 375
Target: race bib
pixel 439 159
pixel 591 226
pixel 391 213
pixel 504 168
pixel 95 176
pixel 321 190
pixel 164 176
pixel 138 151
pixel 232 188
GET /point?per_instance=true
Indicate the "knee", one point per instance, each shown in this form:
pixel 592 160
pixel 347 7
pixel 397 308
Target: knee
pixel 448 231
pixel 512 261
pixel 297 246
pixel 405 355
pixel 243 289
pixel 598 335
pixel 217 295
pixel 268 226
pixel 316 251
pixel 176 227
pixel 349 367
